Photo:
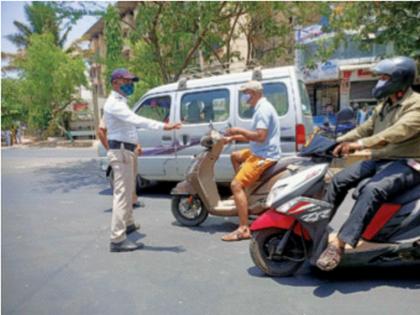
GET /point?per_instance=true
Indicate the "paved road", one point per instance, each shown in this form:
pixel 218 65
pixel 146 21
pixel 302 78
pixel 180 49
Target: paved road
pixel 56 260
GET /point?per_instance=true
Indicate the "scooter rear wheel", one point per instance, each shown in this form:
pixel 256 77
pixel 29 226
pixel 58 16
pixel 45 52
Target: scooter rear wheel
pixel 264 242
pixel 188 210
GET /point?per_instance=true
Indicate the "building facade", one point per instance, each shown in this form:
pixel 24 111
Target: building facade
pixel 345 80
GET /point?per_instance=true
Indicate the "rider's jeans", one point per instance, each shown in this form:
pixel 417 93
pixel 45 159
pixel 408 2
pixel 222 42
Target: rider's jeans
pixel 389 178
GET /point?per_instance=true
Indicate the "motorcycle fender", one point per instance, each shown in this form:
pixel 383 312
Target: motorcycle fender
pixel 274 219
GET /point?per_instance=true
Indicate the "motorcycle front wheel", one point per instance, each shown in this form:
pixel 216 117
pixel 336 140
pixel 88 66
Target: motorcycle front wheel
pixel 189 210
pixel 262 249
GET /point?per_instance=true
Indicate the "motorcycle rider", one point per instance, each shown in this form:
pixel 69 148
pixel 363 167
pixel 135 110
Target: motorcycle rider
pixel 250 164
pixel 393 135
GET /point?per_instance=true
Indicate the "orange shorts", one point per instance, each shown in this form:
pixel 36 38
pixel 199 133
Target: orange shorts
pixel 252 168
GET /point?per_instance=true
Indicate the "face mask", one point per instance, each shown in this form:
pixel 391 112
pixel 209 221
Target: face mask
pixel 380 83
pixel 127 89
pixel 245 98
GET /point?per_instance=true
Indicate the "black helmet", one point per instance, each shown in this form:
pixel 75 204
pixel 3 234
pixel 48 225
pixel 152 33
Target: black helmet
pixel 402 71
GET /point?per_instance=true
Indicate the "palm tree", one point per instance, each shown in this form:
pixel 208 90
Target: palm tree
pixel 42 18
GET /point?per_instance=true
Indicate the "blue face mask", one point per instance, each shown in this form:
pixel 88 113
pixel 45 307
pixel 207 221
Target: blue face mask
pixel 245 98
pixel 127 89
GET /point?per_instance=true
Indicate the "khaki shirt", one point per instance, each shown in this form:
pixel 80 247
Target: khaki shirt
pixel 393 131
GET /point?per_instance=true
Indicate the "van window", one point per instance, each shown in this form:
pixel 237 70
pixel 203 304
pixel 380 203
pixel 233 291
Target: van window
pixel 306 105
pixel 200 107
pixel 156 108
pixel 275 93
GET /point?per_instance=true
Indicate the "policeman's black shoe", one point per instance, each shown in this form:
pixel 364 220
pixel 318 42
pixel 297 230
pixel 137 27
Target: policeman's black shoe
pixel 132 227
pixel 139 204
pixel 125 246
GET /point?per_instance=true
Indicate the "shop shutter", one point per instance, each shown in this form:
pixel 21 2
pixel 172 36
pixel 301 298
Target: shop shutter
pixel 361 90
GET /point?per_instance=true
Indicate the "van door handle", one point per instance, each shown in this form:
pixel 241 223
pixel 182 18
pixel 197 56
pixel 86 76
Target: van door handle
pixel 166 138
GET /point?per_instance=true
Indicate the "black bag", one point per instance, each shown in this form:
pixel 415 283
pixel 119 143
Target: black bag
pixel 320 146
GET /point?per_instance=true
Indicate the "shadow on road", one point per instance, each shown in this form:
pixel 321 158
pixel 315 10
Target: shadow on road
pixel 212 225
pixel 106 192
pixel 349 280
pixel 135 236
pixel 66 177
pixel 174 249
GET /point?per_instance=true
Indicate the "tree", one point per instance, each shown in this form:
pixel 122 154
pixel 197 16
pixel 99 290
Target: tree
pixel 49 81
pixel 42 18
pixel 113 41
pixel 380 22
pixel 269 28
pixel 169 37
pixel 12 109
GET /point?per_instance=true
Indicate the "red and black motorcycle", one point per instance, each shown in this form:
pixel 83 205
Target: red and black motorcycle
pixel 296 230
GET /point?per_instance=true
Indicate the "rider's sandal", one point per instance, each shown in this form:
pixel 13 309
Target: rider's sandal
pixel 330 258
pixel 237 235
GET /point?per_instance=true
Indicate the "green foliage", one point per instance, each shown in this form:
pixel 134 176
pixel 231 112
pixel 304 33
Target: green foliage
pixel 49 80
pixel 381 22
pixel 171 34
pixel 12 109
pixel 168 37
pixel 42 18
pixel 114 42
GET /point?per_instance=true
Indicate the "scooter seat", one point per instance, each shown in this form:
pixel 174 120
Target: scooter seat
pixel 280 166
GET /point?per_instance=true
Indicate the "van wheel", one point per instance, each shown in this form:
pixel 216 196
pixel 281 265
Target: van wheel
pixel 188 210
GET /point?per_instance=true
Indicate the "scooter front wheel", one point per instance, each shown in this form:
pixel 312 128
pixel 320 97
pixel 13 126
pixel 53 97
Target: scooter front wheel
pixel 262 249
pixel 189 210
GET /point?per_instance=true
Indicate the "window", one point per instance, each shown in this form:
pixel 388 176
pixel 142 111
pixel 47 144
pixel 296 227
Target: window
pixel 275 93
pixel 156 108
pixel 205 106
pixel 306 105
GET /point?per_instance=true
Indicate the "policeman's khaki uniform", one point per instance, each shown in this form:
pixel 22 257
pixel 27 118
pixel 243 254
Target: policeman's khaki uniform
pixel 122 126
pixel 135 168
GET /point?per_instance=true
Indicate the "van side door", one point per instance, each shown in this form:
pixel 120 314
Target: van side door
pixel 197 108
pixel 278 94
pixel 158 145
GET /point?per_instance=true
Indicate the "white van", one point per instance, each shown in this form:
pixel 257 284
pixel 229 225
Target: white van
pixel 198 102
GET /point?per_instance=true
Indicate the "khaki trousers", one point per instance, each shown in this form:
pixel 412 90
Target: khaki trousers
pixel 135 197
pixel 122 163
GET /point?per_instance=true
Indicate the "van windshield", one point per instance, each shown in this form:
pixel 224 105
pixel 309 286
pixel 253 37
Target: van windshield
pixel 306 105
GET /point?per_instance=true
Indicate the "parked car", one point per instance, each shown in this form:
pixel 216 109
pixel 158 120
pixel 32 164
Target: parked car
pixel 216 100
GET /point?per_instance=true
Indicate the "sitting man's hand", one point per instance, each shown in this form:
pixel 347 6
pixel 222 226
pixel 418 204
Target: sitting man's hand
pixel 171 126
pixel 227 140
pixel 233 131
pixel 345 148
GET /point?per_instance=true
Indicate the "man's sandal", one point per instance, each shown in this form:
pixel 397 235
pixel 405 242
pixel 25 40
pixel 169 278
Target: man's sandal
pixel 237 235
pixel 330 258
